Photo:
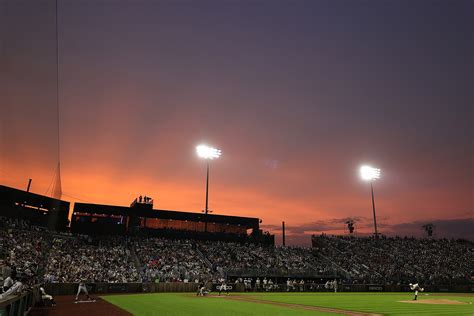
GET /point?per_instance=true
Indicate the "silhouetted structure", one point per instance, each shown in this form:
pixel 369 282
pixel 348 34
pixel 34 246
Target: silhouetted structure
pixel 283 233
pixel 141 218
pixel 428 229
pixel 38 209
pixel 350 226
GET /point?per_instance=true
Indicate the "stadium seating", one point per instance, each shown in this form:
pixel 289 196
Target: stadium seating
pixel 63 257
pixel 400 260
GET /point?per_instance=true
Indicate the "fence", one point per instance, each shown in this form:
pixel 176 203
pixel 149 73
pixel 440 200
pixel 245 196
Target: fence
pixel 18 305
pixel 110 288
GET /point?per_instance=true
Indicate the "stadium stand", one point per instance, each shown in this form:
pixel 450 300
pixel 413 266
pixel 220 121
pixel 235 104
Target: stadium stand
pixel 78 258
pixel 170 260
pixel 46 253
pixel 399 260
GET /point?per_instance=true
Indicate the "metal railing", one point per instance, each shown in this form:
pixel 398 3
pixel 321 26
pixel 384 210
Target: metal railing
pixel 18 305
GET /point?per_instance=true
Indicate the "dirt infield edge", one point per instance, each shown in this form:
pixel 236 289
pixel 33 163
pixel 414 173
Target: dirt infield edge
pixel 435 301
pixel 66 306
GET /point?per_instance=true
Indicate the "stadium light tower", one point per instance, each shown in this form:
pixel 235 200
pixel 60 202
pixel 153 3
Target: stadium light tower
pixel 368 173
pixel 207 153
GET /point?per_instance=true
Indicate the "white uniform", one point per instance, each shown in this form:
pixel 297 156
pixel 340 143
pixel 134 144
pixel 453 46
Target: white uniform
pixel 44 295
pixel 14 289
pixel 416 287
pixel 327 285
pixel 82 288
pixel 202 290
pixel 246 284
pixel 7 283
pixel 270 284
pixel 223 286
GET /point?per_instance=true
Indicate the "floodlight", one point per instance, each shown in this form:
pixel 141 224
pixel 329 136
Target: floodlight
pixel 368 173
pixel 207 152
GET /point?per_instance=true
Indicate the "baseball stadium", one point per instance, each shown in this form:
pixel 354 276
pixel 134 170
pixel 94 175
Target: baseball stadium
pixel 236 157
pixel 141 261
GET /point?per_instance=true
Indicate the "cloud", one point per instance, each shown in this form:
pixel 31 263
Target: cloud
pixel 301 234
pixel 325 225
pixel 270 227
pixel 321 225
pixel 449 228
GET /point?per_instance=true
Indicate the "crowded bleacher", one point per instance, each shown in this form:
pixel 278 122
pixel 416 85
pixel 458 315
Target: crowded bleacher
pixel 170 260
pixel 78 258
pixel 56 258
pixel 23 247
pixel 262 259
pixel 399 260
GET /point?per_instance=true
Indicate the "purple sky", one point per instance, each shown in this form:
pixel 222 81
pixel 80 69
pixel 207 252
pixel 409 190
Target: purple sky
pixel 297 94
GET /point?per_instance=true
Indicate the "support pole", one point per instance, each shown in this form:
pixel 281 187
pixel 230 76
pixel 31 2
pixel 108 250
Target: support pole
pixel 373 209
pixel 29 185
pixel 283 232
pixel 207 198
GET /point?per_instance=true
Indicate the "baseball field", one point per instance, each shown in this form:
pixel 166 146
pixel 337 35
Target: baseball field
pixel 295 304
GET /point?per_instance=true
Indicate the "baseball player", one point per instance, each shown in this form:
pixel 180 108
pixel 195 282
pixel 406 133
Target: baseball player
pixel 247 285
pixel 82 288
pixel 200 285
pixel 415 287
pixel 327 285
pixel 202 291
pixel 8 283
pixel 16 288
pixel 223 286
pixel 270 285
pixel 46 297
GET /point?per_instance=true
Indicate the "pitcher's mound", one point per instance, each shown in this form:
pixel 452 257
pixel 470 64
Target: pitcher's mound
pixel 434 301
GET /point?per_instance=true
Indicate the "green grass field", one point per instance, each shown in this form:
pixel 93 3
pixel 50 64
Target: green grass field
pixel 290 304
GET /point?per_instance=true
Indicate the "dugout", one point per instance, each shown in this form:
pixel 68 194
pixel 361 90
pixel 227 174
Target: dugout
pixel 37 209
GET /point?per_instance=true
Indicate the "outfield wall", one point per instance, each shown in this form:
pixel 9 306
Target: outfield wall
pixel 104 288
pixel 109 288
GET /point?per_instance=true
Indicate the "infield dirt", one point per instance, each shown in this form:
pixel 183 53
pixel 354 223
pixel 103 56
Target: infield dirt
pixel 435 301
pixel 66 305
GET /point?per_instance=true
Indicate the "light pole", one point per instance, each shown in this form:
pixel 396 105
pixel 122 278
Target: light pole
pixel 207 153
pixel 368 173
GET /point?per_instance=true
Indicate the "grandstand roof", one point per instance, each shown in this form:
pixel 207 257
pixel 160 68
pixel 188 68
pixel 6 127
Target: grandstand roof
pixel 11 196
pixel 249 222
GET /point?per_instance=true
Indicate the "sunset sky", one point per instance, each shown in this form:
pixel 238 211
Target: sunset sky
pixel 296 94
